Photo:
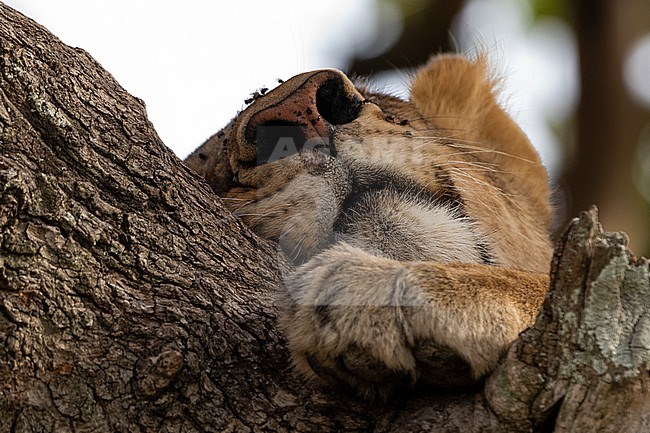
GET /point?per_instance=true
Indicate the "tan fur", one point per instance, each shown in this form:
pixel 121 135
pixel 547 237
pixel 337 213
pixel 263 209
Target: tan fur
pixel 422 243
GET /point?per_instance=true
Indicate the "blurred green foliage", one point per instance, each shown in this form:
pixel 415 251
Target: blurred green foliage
pixel 550 8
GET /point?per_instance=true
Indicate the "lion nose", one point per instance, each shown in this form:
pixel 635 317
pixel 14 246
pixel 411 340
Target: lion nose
pixel 301 114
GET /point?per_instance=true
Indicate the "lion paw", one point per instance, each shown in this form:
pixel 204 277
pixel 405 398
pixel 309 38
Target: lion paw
pixel 346 328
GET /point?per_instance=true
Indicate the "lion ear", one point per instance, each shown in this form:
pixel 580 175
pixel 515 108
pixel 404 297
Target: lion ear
pixel 454 93
pixel 458 96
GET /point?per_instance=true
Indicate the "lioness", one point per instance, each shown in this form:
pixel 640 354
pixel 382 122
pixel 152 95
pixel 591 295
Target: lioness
pixel 420 228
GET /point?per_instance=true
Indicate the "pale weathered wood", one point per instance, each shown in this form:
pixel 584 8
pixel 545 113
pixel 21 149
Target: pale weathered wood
pixel 584 366
pixel 130 300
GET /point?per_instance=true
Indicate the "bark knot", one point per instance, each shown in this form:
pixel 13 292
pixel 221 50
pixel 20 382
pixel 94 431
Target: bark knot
pixel 158 373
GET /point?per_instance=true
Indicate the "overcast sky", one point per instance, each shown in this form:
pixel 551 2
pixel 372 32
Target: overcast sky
pixel 194 63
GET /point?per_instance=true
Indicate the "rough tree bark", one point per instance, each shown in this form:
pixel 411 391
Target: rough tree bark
pixel 130 300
